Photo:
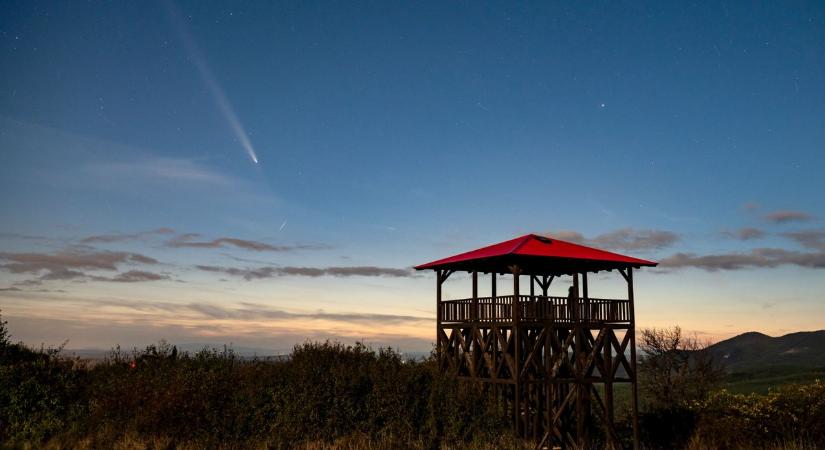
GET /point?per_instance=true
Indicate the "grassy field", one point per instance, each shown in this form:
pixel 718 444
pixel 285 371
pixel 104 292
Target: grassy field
pixel 761 381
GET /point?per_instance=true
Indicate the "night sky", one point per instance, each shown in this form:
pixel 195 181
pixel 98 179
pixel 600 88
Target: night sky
pixel 265 173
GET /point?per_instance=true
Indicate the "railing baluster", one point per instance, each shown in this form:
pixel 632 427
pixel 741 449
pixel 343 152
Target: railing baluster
pixel 534 308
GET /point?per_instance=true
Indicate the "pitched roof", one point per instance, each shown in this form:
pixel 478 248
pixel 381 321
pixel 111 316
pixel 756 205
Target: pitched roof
pixel 537 254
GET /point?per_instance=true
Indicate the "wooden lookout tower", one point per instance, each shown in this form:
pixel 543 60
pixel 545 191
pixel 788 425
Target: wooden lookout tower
pixel 552 362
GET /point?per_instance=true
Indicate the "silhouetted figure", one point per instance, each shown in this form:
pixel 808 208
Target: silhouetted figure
pixel 571 302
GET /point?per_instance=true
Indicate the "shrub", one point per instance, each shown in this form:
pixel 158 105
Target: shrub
pixel 324 393
pixel 793 413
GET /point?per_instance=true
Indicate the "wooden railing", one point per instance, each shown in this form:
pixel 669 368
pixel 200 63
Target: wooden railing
pixel 500 309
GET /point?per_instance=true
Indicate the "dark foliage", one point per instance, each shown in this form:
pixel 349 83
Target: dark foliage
pixel 214 399
pixel 789 413
pixel 674 369
pixel 329 392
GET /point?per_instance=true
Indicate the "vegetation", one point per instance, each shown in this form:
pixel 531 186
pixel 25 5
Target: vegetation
pixel 762 381
pixel 675 369
pixel 327 395
pixel 683 405
pixel 324 393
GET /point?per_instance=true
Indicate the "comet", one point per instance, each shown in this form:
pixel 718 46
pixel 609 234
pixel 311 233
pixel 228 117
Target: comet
pixel 211 82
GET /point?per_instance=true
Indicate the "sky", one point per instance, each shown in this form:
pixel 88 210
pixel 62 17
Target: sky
pixel 267 173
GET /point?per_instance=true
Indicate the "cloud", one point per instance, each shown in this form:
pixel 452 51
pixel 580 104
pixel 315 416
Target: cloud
pixel 756 258
pixel 62 274
pixel 744 234
pixel 161 170
pixel 247 274
pixel 17 289
pixel 26 237
pixel 133 276
pixel 814 239
pixel 187 241
pixel 568 235
pixel 272 272
pixel 135 331
pixel 751 206
pixel 252 311
pixel 67 260
pixel 71 264
pixel 623 239
pixel 786 216
pixel 119 237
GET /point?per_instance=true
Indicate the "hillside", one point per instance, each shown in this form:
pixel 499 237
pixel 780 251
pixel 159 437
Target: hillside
pixel 757 352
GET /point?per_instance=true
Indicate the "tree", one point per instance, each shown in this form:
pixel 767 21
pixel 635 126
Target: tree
pixel 4 333
pixel 676 369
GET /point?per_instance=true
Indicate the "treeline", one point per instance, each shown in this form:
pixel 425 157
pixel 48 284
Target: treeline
pixel 328 394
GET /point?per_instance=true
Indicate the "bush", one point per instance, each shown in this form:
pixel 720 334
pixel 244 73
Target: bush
pixel 324 393
pixel 331 395
pixel 38 390
pixel 793 413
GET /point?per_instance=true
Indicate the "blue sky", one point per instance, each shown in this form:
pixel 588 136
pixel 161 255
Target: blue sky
pixel 389 134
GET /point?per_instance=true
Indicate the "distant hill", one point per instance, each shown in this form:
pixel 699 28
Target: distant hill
pixel 756 351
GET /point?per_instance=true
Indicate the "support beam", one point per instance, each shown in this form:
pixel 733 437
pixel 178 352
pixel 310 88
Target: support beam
pixel 633 386
pixel 517 400
pixel 574 314
pixel 586 313
pixel 496 312
pixel 474 312
pixel 545 284
pixel 543 367
pixel 438 313
pixel 607 375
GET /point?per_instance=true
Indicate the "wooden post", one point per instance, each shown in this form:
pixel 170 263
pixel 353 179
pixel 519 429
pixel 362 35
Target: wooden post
pixel 532 287
pixel 632 331
pixel 438 314
pixel 574 315
pixel 578 354
pixel 493 295
pixel 517 349
pixel 474 314
pixel 586 313
pixel 495 330
pixel 607 374
pixel 546 304
pixel 549 386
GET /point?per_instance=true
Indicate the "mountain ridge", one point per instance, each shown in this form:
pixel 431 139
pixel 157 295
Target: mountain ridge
pixel 756 351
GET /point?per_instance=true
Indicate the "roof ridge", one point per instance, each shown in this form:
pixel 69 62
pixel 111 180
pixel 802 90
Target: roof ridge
pixel 524 240
pixel 535 246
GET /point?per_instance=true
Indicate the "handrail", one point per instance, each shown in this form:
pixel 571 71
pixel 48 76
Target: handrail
pixel 537 307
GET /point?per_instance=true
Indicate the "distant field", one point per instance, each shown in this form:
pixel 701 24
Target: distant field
pixel 761 381
pixel 755 381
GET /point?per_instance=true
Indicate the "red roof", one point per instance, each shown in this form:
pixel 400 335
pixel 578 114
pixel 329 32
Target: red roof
pixel 537 254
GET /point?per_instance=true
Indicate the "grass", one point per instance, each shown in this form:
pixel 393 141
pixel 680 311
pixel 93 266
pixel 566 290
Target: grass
pixel 761 381
pixel 757 381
